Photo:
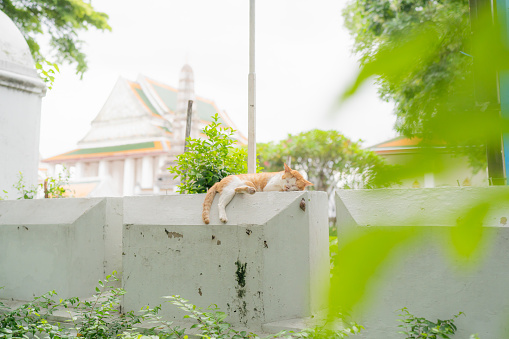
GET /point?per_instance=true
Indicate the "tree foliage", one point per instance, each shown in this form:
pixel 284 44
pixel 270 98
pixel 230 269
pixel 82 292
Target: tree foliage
pixel 423 56
pixel 59 22
pixel 329 159
pixel 432 71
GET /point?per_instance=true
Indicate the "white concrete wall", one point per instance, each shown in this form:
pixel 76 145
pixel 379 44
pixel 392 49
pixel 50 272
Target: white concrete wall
pixel 284 250
pixel 65 245
pixel 426 279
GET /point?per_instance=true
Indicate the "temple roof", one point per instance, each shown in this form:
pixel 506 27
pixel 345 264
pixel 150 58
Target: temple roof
pixel 401 145
pixel 140 112
pixel 138 149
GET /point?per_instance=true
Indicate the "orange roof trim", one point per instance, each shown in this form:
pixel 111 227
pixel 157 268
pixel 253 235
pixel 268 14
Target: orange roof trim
pixel 158 148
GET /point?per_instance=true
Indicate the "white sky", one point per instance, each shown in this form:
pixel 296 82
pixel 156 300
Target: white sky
pixel 303 62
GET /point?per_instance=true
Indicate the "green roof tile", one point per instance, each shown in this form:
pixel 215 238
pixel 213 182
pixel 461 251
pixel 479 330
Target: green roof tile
pixel 169 97
pixel 146 101
pixel 206 111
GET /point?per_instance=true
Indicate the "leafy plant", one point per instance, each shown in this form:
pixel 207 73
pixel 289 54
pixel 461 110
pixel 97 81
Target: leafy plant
pixel 55 187
pixel 415 327
pixel 51 187
pixel 101 316
pixel 47 71
pixel 322 332
pixel 209 160
pixel 25 192
pixel 210 322
pixel 31 318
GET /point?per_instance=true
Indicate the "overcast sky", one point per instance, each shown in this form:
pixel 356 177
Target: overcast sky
pixel 303 62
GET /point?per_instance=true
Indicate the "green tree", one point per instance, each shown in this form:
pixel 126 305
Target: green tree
pixel 420 52
pixel 60 22
pixel 384 24
pixel 329 159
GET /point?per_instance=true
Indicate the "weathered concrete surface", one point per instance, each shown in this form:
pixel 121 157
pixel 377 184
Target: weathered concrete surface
pixel 270 262
pixel 65 245
pixel 425 278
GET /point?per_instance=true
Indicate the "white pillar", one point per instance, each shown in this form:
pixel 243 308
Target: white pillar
pixel 78 170
pixel 147 172
pixel 429 180
pixel 104 169
pixel 160 161
pixel 128 188
pixel 251 136
pixel 51 170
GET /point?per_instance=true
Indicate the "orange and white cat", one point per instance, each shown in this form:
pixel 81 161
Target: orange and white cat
pixel 287 180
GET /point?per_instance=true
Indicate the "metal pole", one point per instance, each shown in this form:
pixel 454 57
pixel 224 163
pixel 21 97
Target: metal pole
pixel 188 123
pixel 251 136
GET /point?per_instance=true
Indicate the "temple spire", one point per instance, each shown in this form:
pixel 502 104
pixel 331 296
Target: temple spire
pixel 185 90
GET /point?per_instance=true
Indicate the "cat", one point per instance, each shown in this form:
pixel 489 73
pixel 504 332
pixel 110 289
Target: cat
pixel 284 181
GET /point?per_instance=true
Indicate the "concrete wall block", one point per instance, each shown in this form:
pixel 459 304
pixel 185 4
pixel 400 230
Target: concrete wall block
pixel 257 267
pixel 425 278
pixel 53 244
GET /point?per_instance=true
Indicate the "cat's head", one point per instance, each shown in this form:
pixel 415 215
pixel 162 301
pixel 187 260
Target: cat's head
pixel 293 180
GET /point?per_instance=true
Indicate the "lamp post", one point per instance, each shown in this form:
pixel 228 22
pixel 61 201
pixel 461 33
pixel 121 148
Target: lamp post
pixel 251 136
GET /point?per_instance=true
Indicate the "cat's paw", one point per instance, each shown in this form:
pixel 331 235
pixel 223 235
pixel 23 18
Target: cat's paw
pixel 224 220
pixel 251 190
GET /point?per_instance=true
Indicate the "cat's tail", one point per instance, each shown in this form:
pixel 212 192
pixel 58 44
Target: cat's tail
pixel 211 193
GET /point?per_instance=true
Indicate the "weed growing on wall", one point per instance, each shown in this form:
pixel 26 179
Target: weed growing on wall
pixel 209 160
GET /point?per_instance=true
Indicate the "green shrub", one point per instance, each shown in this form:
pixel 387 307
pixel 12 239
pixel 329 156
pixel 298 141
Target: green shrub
pixel 209 160
pixel 415 327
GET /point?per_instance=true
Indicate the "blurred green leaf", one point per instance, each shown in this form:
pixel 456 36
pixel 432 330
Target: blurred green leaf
pixel 359 259
pixel 467 235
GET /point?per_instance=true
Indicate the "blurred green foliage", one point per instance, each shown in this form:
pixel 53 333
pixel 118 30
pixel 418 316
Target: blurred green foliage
pixel 60 22
pixel 329 159
pixel 421 54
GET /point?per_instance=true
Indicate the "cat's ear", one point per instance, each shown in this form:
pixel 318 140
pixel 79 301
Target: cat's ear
pixel 287 169
pixel 307 183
